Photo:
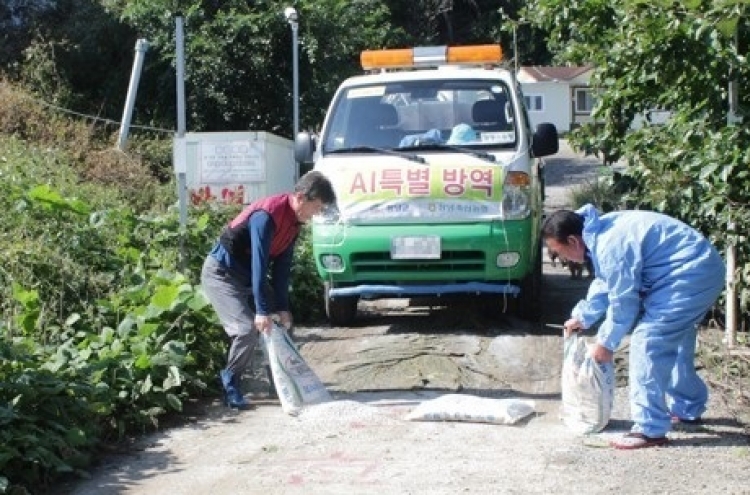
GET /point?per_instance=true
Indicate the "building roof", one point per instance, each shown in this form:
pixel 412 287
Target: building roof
pixel 539 73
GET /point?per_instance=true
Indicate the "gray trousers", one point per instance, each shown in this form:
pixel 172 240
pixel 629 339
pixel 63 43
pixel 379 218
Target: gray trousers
pixel 230 294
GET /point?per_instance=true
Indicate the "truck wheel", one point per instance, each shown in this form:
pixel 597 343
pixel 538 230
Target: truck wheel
pixel 342 310
pixel 528 302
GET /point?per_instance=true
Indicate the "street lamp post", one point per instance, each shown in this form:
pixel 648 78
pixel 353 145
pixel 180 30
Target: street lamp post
pixel 292 18
pixel 515 49
pixel 516 59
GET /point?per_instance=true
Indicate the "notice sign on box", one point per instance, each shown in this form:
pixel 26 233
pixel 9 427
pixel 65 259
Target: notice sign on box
pixel 231 162
pixel 419 247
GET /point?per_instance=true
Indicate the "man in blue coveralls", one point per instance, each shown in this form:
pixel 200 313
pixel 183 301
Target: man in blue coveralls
pixel 656 276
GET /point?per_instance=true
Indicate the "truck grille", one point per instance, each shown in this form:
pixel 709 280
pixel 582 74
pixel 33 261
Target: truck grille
pixel 379 264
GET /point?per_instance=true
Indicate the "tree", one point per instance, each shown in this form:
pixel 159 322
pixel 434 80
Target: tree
pixel 238 55
pixel 70 52
pixel 679 57
pixel 79 53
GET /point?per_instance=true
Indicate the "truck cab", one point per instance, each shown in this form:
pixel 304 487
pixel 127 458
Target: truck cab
pixel 438 179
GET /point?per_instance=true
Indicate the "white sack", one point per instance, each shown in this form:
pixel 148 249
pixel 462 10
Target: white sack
pixel 588 388
pixel 296 383
pixel 470 408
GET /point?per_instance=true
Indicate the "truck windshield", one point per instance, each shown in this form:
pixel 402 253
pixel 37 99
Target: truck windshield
pixel 408 114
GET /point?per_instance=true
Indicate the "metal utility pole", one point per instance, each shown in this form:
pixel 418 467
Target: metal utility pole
pixel 140 52
pixel 515 49
pixel 181 168
pixel 293 19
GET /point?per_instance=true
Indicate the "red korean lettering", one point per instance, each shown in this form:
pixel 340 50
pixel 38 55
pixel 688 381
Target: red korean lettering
pixel 453 181
pixel 419 181
pixel 360 183
pixel 481 180
pixel 391 179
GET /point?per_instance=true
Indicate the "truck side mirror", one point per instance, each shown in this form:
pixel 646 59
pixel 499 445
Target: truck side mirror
pixel 304 147
pixel 545 141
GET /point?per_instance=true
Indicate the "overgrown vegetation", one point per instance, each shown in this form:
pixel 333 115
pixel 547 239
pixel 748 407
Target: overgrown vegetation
pixel 77 53
pixel 104 329
pixel 680 58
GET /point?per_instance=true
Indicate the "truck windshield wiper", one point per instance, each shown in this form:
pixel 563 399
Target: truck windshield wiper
pixel 440 146
pixel 373 149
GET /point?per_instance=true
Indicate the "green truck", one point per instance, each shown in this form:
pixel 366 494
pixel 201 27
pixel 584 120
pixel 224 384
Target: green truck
pixel 438 178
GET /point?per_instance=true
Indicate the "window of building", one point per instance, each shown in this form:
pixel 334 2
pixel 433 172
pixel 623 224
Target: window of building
pixel 584 101
pixel 534 103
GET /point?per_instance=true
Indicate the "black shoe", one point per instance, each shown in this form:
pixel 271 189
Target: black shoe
pixel 682 421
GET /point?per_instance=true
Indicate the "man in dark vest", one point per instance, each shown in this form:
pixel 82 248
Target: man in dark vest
pixel 255 247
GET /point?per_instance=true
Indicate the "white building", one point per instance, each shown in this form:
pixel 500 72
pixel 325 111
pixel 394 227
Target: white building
pixel 560 95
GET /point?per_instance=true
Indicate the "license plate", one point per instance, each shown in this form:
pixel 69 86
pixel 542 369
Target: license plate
pixel 419 247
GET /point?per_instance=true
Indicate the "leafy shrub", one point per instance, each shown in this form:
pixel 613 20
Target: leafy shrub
pixel 306 296
pixel 134 349
pixel 612 190
pixel 102 306
pixel 48 423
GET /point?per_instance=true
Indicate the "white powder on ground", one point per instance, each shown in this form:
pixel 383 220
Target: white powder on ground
pixel 347 411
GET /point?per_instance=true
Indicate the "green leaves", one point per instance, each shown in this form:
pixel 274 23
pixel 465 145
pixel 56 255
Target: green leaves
pixel 29 300
pixel 47 425
pixel 53 200
pixel 103 335
pixel 165 297
pixel 676 57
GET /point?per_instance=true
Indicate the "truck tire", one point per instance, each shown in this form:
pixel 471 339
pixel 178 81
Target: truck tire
pixel 528 302
pixel 342 310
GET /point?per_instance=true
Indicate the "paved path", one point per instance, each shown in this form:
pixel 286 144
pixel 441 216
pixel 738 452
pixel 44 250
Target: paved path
pixel 566 170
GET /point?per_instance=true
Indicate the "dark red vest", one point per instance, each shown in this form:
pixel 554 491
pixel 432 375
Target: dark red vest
pixel 236 239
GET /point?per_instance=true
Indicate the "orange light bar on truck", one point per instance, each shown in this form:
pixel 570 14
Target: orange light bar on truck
pixel 431 56
pixel 516 178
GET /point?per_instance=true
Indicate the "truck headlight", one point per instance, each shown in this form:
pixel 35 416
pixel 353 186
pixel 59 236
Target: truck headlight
pixel 516 196
pixel 329 215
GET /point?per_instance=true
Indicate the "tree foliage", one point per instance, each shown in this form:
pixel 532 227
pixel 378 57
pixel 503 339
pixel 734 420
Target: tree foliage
pixel 78 53
pixel 679 57
pixel 67 51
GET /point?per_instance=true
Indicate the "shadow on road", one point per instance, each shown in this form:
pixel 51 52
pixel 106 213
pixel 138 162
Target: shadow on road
pixel 471 314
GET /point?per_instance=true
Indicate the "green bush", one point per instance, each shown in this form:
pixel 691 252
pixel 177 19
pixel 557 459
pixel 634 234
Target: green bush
pixel 48 423
pixel 104 330
pixel 306 296
pixel 611 190
pixel 100 314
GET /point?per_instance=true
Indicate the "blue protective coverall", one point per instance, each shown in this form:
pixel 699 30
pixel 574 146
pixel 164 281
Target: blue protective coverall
pixel 659 277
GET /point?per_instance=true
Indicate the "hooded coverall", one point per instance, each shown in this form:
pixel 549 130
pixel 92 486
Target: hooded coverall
pixel 659 277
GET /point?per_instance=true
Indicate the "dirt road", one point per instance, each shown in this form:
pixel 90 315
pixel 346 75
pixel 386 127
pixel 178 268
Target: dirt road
pixel 400 355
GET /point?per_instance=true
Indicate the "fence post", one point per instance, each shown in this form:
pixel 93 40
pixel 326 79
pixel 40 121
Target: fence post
pixel 140 52
pixel 730 332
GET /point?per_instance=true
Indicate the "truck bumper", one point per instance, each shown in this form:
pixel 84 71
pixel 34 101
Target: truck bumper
pixel 468 262
pixel 370 291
